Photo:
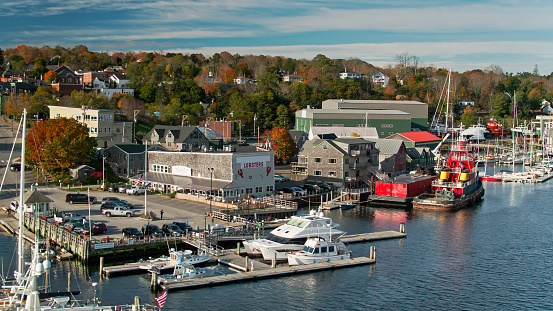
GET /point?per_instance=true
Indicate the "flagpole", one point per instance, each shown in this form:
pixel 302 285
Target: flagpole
pixel 145 173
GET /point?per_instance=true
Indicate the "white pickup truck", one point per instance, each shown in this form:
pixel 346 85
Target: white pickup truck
pixel 136 191
pixel 118 211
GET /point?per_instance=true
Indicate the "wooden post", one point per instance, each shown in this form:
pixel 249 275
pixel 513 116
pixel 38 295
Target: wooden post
pixel 373 253
pixel 238 248
pixel 247 264
pixel 69 281
pixel 273 262
pixel 401 227
pixel 101 266
pixel 153 281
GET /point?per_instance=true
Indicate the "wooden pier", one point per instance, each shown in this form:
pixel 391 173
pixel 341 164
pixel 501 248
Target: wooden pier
pixel 259 274
pixel 373 236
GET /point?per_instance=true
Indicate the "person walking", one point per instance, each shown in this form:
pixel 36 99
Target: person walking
pixel 161 214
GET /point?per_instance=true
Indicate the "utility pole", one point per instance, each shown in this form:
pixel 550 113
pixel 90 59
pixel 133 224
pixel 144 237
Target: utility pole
pixel 134 127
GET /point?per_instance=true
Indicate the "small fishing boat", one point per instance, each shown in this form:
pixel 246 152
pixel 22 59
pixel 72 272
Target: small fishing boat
pixel 319 250
pixel 348 205
pixel 184 272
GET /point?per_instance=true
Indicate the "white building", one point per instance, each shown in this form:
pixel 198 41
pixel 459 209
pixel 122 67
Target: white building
pixel 380 79
pixel 100 122
pixel 291 78
pixel 235 174
pixel 108 93
pixel 351 75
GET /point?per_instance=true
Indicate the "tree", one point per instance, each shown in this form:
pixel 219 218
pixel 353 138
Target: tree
pixel 58 144
pixel 281 143
pixel 469 117
pixel 51 76
pixel 15 104
pixel 44 96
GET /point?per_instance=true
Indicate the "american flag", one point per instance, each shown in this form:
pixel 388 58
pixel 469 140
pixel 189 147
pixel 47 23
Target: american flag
pixel 161 299
pixel 139 180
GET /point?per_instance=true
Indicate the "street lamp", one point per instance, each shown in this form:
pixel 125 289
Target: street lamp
pixel 210 170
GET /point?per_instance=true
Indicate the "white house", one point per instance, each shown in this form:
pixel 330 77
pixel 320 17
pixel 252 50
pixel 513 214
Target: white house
pixel 380 79
pixel 351 75
pixel 120 81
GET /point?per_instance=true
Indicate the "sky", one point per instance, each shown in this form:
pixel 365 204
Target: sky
pixel 458 34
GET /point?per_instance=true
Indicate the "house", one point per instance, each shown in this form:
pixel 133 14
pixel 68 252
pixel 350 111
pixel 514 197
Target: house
pixel 417 139
pixel 392 156
pixel 37 203
pixel 351 75
pixel 81 171
pixel 119 80
pixel 291 78
pixel 99 83
pixel 244 80
pixel 109 92
pixel 177 138
pixel 127 159
pixel 229 176
pixel 462 105
pixel 299 137
pixel 380 79
pixel 228 129
pixel 346 162
pixel 100 122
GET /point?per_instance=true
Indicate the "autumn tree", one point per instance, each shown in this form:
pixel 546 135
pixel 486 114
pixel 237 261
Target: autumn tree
pixel 281 143
pixel 469 117
pixel 58 144
pixel 16 103
pixel 51 76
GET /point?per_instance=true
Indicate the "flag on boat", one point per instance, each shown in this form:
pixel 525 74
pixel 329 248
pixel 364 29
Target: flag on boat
pixel 139 180
pixel 161 299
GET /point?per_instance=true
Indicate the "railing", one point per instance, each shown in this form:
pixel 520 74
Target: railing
pixel 358 165
pixel 358 152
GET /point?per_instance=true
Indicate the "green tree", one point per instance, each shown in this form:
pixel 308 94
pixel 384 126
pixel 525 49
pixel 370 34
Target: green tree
pixel 58 144
pixel 500 104
pixel 44 96
pixel 469 117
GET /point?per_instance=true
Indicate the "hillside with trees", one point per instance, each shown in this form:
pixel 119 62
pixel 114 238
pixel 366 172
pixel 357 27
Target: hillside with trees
pixel 176 86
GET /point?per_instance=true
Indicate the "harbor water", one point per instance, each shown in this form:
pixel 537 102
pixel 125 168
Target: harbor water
pixel 496 255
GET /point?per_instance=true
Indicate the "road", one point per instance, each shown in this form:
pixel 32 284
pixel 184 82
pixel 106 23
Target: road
pixel 174 209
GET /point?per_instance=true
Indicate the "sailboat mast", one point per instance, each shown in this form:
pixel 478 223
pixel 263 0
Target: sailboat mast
pixel 447 101
pixel 20 267
pixel 514 126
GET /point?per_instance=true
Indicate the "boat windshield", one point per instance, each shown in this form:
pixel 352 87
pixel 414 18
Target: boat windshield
pixel 297 223
pixel 274 238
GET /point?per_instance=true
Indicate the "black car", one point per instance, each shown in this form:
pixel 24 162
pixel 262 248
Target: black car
pixel 183 226
pixel 172 229
pixel 152 230
pixel 15 167
pixel 310 188
pixel 132 232
pixel 79 198
pixel 110 199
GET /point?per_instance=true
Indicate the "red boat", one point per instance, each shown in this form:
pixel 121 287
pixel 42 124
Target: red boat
pixel 458 186
pixel 496 128
pixel 491 178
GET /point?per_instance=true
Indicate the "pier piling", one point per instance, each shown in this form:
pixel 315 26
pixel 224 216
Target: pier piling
pixel 101 266
pixel 153 281
pixel 238 248
pixel 247 263
pixel 373 253
pixel 401 227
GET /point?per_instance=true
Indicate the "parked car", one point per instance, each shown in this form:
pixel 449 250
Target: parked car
pixel 299 190
pixel 97 228
pixel 132 232
pixel 123 188
pixel 217 228
pixel 79 198
pixel 110 199
pixel 152 230
pixel 15 167
pixel 115 187
pixel 172 229
pixel 279 178
pixel 136 190
pixel 118 211
pixel 311 188
pixel 64 217
pixel 324 187
pixel 183 226
pixel 72 223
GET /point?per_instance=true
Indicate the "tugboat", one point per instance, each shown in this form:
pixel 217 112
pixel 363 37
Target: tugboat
pixel 458 186
pixel 496 129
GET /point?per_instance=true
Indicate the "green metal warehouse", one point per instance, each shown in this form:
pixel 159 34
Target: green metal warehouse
pixel 386 122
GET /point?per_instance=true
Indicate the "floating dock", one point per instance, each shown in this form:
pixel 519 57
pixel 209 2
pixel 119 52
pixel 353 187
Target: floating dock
pixel 259 274
pixel 238 262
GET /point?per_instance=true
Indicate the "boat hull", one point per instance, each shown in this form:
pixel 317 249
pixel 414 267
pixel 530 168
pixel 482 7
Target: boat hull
pixel 441 203
pixel 295 260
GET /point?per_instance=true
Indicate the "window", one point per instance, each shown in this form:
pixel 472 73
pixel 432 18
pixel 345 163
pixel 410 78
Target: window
pixel 318 160
pixel 270 188
pixel 160 168
pixel 331 174
pixel 249 190
pixel 325 147
pixel 318 173
pixel 258 189
pixel 331 161
pixel 387 125
pixel 382 133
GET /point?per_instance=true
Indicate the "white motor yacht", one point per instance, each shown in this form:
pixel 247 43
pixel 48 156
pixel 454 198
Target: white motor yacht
pixel 165 263
pixel 291 236
pixel 318 250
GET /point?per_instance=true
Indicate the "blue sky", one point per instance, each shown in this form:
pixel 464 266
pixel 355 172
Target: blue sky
pixel 459 34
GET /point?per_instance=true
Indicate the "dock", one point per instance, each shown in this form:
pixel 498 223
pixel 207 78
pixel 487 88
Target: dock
pixel 259 274
pixel 373 236
pixel 229 257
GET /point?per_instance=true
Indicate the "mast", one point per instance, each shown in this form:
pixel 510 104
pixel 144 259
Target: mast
pixel 145 172
pixel 514 126
pixel 447 101
pixel 20 267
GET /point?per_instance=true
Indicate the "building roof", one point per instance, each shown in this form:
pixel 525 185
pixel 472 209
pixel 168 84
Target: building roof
pixel 130 148
pixel 35 197
pixel 342 131
pixel 356 111
pixel 376 101
pixel 179 132
pixel 418 137
pixel 387 146
pixel 413 153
